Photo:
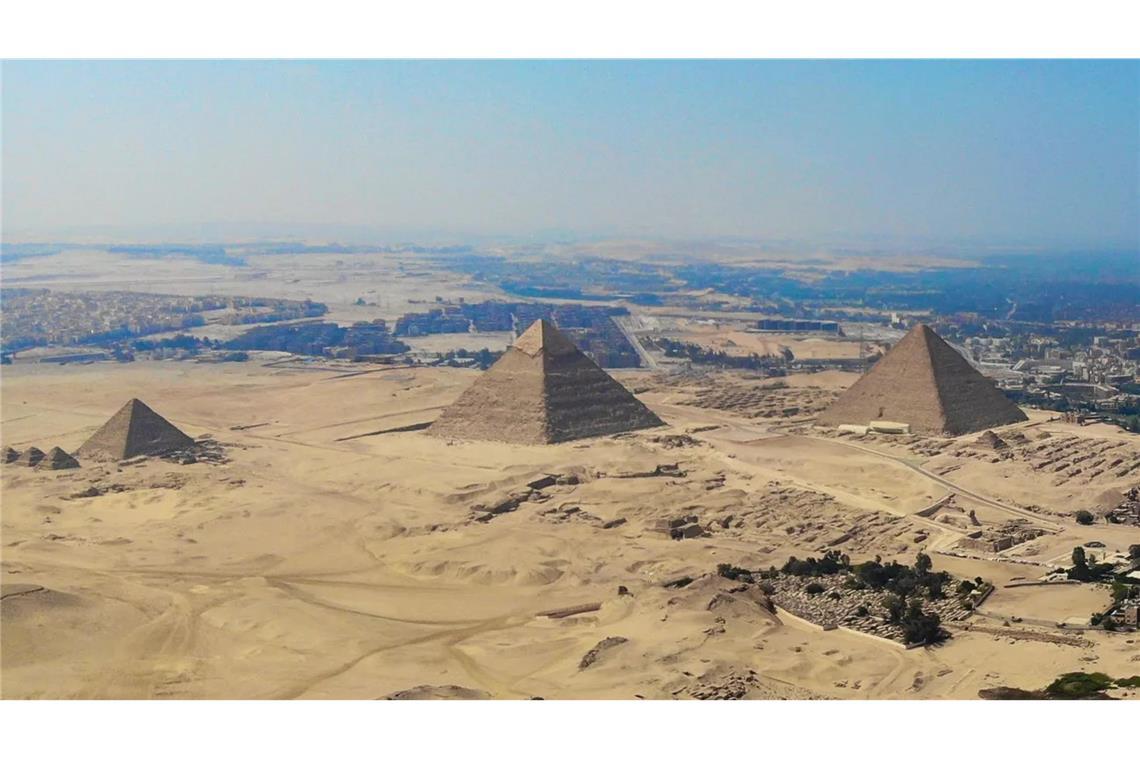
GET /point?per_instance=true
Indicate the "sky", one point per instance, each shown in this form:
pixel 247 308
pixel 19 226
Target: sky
pixel 978 153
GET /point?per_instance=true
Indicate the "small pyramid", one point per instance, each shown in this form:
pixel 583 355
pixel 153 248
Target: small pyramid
pixel 57 459
pixel 31 457
pixel 10 455
pixel 543 390
pixel 990 440
pixel 134 430
pixel 926 384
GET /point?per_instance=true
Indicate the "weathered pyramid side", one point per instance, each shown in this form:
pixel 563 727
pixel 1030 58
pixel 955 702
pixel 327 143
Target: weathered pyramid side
pixel 543 390
pixel 57 459
pixel 505 404
pixel 900 387
pixel 925 383
pixel 134 430
pixel 583 401
pixel 970 400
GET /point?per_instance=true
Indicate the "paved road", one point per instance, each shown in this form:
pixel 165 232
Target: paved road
pixel 647 361
pixel 950 485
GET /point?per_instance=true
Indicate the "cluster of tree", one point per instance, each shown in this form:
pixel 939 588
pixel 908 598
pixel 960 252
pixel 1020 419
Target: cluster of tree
pixel 182 340
pixel 312 338
pixel 830 563
pixel 900 579
pixel 1067 686
pixel 918 626
pixel 1085 572
pixel 1079 685
pixel 484 357
pixel 906 585
pixel 700 355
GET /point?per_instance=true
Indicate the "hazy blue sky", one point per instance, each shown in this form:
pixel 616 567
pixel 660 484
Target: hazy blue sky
pixel 1044 153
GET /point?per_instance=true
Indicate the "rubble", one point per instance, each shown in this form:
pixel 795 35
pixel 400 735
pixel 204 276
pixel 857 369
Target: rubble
pixel 600 648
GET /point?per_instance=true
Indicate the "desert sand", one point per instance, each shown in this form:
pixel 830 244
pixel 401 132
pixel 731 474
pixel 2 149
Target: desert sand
pixel 325 561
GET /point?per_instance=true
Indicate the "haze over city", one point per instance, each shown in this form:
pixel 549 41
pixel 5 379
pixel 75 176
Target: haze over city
pixel 966 154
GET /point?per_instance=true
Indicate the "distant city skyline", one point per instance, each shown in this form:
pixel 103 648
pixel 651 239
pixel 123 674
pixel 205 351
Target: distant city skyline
pixel 987 153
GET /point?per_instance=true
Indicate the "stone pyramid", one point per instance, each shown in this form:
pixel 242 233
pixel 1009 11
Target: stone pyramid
pixel 990 440
pixel 543 390
pixel 10 455
pixel 136 429
pixel 57 459
pixel 925 383
pixel 31 457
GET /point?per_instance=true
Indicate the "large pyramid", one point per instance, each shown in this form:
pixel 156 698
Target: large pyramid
pixel 543 390
pixel 926 384
pixel 136 429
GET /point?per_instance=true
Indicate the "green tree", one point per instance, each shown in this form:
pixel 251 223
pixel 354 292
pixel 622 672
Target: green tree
pixel 922 563
pixel 895 606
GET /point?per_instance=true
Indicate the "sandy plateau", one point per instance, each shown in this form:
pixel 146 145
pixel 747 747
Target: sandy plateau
pixel 324 560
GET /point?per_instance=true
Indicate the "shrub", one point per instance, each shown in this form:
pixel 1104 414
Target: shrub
pixel 733 573
pixel 1078 685
pixel 1085 517
pixel 813 589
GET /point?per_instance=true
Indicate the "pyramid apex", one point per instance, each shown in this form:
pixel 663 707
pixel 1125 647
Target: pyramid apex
pixel 543 336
